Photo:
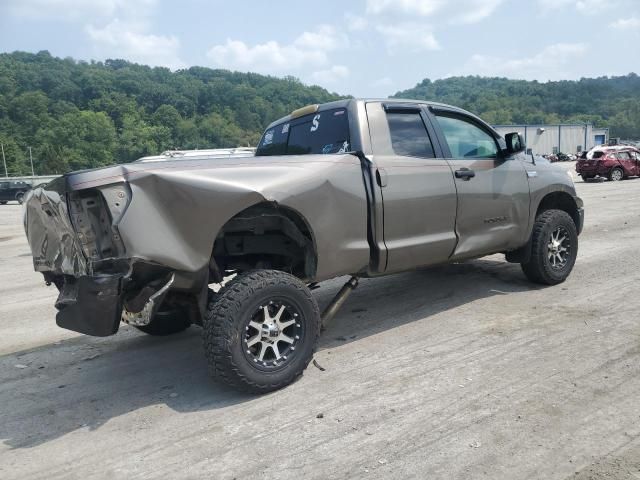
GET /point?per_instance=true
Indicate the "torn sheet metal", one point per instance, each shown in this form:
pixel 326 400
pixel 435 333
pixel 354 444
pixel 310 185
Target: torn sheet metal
pixel 145 315
pixel 54 244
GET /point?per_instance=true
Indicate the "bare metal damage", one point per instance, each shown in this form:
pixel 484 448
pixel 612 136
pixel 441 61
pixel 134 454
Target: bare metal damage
pixel 54 245
pixel 144 316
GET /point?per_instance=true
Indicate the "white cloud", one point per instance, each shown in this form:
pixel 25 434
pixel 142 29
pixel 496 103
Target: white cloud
pixel 121 40
pixel 461 11
pixel 115 28
pixel 549 64
pixel 355 23
pixel 413 36
pixel 309 49
pixel 476 11
pixel 410 7
pixel 583 6
pixel 626 23
pixel 331 75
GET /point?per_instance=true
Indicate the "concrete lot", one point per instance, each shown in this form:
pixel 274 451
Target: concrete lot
pixel 465 371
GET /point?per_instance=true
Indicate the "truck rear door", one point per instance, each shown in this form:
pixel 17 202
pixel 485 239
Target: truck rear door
pixel 493 192
pixel 416 185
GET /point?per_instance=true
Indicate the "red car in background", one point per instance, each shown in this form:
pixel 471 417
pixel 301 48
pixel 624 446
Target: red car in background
pixel 615 163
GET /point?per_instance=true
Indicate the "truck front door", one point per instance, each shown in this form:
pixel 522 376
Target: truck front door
pixel 416 185
pixel 493 191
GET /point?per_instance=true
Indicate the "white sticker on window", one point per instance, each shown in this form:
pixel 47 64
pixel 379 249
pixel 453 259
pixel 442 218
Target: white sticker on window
pixel 268 138
pixel 285 128
pixel 344 148
pixel 315 125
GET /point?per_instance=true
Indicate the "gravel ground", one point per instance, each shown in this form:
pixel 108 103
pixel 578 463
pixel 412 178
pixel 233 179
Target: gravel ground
pixel 464 371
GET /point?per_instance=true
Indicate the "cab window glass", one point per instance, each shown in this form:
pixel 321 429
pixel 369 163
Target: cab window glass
pixel 467 140
pixel 409 136
pixel 324 132
pixel 274 141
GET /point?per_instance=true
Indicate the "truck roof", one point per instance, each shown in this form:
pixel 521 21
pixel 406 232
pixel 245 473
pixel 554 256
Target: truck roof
pixel 348 102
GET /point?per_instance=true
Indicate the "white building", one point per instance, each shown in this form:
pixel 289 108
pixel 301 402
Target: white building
pixel 553 139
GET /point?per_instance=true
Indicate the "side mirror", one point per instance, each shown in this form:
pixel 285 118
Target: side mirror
pixel 515 143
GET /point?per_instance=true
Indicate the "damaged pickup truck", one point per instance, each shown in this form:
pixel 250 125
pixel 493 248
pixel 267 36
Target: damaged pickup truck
pixel 356 187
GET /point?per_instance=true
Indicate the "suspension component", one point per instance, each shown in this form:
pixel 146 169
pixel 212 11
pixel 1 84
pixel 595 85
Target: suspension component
pixel 338 301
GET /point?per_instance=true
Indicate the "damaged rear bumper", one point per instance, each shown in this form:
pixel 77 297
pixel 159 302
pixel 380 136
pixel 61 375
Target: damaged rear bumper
pixel 76 245
pixel 95 305
pixel 91 305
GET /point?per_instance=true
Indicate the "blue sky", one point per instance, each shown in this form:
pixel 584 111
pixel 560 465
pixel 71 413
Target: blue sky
pixel 360 47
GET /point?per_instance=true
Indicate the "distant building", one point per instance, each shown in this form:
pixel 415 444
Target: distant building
pixel 553 139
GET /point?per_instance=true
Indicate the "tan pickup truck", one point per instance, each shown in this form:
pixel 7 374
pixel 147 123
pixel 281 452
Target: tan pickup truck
pixel 356 187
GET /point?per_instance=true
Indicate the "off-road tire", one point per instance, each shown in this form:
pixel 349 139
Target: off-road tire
pixel 166 323
pixel 616 177
pixel 539 269
pixel 224 330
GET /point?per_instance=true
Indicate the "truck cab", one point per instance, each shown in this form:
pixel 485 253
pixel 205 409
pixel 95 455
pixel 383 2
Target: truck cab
pixel 443 184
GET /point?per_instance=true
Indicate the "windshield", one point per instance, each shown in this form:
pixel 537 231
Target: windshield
pixel 324 133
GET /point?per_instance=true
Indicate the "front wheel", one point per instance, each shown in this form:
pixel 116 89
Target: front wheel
pixel 261 331
pixel 554 248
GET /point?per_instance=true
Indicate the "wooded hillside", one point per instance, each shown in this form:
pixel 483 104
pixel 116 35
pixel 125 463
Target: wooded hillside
pixel 87 114
pixel 606 102
pixel 82 115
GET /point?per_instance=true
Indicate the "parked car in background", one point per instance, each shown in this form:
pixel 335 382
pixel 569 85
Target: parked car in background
pixel 615 163
pixel 13 191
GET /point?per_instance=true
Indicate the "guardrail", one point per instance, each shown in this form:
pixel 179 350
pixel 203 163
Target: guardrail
pixel 37 180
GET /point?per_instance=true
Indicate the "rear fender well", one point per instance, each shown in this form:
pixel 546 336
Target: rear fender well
pixel 265 235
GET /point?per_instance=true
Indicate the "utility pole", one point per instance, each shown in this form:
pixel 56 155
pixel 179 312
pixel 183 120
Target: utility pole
pixel 4 160
pixel 31 158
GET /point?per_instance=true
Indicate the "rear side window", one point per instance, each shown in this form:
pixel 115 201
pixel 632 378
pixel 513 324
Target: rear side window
pixel 623 155
pixel 409 136
pixel 319 133
pixel 467 140
pixel 598 154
